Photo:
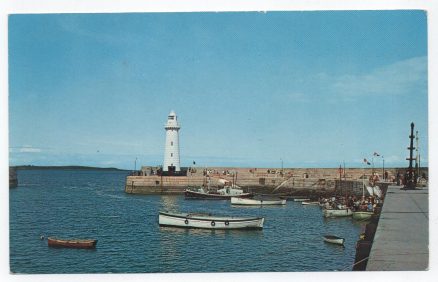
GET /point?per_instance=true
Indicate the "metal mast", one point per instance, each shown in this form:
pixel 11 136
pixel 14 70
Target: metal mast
pixel 410 177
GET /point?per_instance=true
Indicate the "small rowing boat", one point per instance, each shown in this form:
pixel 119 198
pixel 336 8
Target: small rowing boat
pixel 334 239
pixel 301 199
pixel 362 215
pixel 257 202
pixel 308 203
pixel 73 243
pixel 337 212
pixel 208 221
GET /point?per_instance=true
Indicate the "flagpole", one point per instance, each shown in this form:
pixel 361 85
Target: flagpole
pixel 363 183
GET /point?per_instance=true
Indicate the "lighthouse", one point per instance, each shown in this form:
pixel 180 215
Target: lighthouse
pixel 171 149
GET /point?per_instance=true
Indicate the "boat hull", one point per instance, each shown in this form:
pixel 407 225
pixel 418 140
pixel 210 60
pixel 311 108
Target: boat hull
pixel 213 196
pixel 337 212
pixel 187 220
pixel 76 244
pixel 255 202
pixel 362 215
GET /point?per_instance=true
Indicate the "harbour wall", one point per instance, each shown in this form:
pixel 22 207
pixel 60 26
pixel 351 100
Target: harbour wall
pixel 297 181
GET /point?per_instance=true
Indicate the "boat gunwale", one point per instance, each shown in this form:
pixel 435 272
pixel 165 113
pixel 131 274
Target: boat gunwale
pixel 218 219
pixel 72 241
pixel 332 237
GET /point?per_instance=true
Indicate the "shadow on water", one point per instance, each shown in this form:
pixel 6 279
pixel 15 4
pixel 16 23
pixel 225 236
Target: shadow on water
pixel 210 232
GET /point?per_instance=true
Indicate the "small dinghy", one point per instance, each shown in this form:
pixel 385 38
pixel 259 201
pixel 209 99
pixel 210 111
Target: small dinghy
pixel 334 239
pixel 362 215
pixel 337 212
pixel 72 243
pixel 301 200
pixel 257 201
pixel 309 203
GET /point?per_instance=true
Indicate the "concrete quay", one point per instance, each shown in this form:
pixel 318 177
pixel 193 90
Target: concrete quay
pixel 401 241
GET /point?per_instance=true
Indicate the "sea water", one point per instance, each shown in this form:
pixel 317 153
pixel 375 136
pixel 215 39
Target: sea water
pixel 92 204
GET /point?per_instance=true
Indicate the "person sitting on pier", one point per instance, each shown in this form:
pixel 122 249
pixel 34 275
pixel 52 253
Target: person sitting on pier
pixel 333 205
pixel 350 203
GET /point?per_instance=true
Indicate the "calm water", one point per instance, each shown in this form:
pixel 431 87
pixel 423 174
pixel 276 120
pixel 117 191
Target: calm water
pixel 92 204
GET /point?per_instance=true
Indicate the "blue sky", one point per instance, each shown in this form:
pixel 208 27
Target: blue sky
pixel 250 89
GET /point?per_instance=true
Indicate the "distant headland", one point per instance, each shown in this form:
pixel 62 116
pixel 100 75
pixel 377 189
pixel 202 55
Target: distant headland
pixel 76 167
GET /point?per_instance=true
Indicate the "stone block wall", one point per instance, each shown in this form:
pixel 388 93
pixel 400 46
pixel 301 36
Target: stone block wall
pixel 258 180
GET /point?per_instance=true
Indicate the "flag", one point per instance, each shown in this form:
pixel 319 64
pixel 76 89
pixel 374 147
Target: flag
pixel 366 161
pixel 376 154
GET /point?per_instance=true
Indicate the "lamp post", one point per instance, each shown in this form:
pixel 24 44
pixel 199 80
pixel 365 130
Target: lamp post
pixel 383 168
pixel 281 167
pixel 135 164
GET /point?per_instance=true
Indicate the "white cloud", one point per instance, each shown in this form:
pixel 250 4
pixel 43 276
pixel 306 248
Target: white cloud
pixel 395 79
pixel 29 149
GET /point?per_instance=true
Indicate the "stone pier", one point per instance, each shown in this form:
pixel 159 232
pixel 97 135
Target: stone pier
pixel 258 180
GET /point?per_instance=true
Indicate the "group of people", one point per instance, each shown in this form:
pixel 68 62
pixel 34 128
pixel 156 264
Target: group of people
pixel 352 202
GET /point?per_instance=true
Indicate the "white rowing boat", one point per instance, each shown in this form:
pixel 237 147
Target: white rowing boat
pixel 337 212
pixel 310 203
pixel 362 215
pixel 207 221
pixel 301 200
pixel 334 239
pixel 256 202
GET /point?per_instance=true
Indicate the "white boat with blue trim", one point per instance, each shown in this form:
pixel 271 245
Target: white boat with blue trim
pixel 208 221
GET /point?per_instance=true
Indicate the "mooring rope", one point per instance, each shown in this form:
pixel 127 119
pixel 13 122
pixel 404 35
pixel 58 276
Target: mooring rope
pixel 350 267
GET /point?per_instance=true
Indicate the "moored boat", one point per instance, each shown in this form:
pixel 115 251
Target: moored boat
pixel 301 200
pixel 72 243
pixel 334 239
pixel 208 221
pixel 230 189
pixel 362 215
pixel 220 194
pixel 257 202
pixel 337 212
pixel 309 203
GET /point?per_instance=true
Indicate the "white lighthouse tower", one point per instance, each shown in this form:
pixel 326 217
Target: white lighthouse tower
pixel 171 152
